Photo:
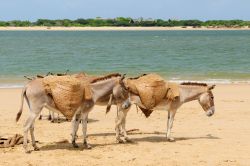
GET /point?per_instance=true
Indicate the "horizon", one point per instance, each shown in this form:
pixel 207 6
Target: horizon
pixel 159 9
pixel 145 19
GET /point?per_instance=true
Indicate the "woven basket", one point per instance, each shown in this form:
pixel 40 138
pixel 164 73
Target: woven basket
pixel 67 99
pixel 151 89
pixel 67 93
pixel 173 91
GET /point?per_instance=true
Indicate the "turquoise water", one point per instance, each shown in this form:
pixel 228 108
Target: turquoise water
pixel 177 55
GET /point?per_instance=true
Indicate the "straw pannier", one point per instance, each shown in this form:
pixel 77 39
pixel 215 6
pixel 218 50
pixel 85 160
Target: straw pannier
pixel 151 89
pixel 85 82
pixel 173 91
pixel 67 93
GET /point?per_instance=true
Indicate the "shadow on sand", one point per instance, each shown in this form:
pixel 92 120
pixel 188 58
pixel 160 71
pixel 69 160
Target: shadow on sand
pixel 159 137
pixel 177 139
pixel 68 146
pixel 62 120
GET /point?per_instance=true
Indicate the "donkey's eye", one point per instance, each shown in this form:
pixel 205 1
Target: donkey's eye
pixel 212 97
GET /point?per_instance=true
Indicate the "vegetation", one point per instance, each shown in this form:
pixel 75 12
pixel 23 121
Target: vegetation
pixel 125 22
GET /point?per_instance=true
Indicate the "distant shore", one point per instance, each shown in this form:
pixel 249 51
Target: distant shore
pixel 44 28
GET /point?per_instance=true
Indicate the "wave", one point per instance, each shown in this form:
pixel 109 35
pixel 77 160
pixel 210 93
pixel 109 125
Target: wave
pixel 212 81
pixel 11 85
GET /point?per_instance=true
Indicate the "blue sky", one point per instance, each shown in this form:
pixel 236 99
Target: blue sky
pixel 164 9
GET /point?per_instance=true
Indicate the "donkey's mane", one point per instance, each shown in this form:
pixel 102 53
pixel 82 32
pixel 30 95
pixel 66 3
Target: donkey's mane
pixel 106 77
pixel 193 83
pixel 135 78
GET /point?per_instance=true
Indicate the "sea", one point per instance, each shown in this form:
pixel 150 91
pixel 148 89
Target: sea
pixel 212 56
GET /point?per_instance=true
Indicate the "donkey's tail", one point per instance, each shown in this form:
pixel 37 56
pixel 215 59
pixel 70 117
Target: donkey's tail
pixel 18 115
pixel 109 103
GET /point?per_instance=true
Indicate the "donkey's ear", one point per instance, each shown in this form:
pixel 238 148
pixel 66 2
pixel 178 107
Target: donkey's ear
pixel 122 82
pixel 123 76
pixel 210 87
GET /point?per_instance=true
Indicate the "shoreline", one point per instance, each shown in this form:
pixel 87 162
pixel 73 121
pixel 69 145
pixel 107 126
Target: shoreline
pixel 44 28
pixel 243 83
pixel 19 81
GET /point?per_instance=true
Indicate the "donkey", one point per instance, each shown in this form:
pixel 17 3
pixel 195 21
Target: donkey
pixel 103 94
pixel 37 98
pixel 188 92
pixel 51 117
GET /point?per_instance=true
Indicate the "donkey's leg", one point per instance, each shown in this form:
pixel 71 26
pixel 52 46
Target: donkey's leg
pixel 36 111
pixel 84 129
pixel 74 122
pixel 51 108
pixel 33 137
pixel 41 116
pixel 50 117
pixel 75 125
pixel 58 118
pixel 125 108
pixel 53 118
pixel 118 124
pixel 28 124
pixel 125 111
pixel 171 114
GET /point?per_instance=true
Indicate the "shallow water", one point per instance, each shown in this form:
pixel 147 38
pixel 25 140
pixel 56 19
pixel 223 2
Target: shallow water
pixel 217 56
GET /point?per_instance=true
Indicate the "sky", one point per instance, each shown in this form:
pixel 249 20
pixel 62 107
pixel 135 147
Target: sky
pixel 164 9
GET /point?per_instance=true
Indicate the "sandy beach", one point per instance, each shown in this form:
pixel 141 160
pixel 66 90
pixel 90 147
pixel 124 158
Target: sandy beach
pixel 222 139
pixel 41 28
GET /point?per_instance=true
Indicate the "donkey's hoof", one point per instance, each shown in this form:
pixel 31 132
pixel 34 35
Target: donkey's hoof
pixel 27 151
pixel 87 146
pixel 128 140
pixel 171 139
pixel 119 141
pixel 75 145
pixel 36 148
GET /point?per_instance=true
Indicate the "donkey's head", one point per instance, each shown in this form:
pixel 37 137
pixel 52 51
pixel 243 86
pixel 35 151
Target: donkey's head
pixel 206 100
pixel 120 96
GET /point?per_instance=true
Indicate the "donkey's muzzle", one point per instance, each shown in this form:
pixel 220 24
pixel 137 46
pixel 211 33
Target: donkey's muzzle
pixel 210 112
pixel 126 104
